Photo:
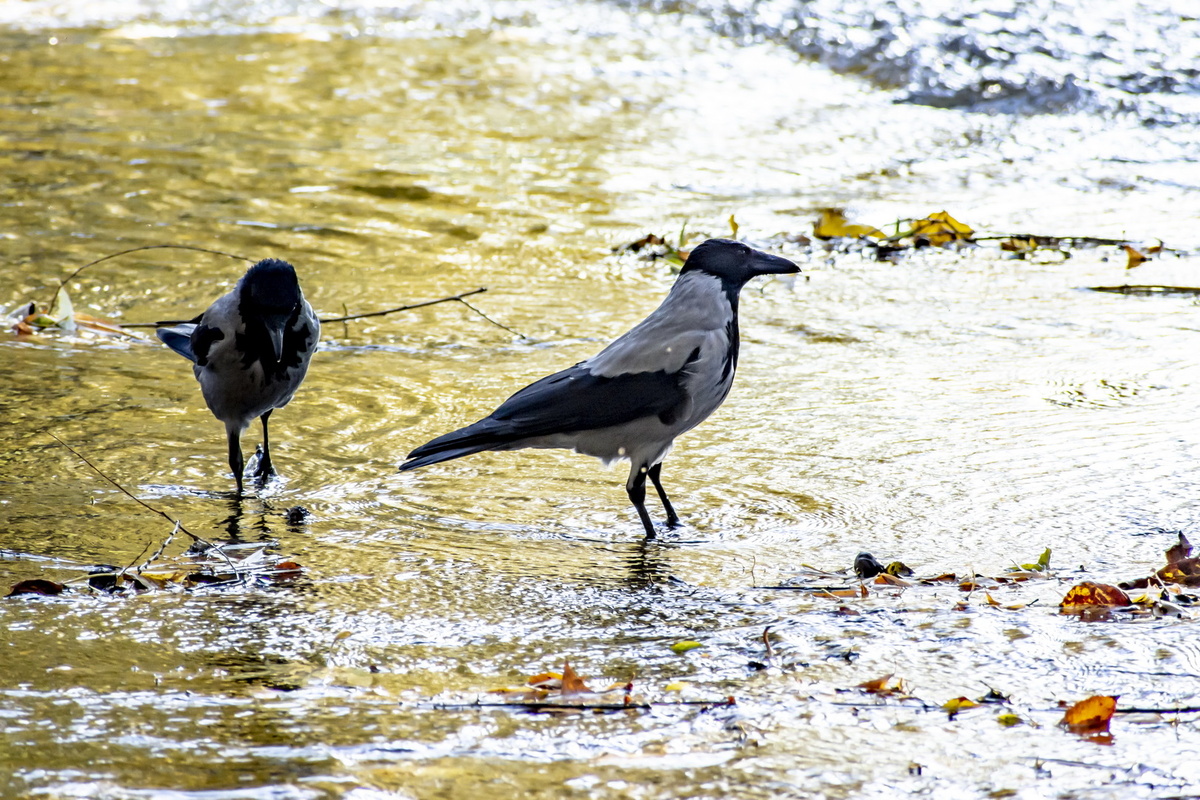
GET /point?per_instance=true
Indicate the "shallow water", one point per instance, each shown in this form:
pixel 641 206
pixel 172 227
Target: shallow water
pixel 960 413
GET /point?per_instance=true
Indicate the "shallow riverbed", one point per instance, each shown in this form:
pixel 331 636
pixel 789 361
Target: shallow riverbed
pixel 957 412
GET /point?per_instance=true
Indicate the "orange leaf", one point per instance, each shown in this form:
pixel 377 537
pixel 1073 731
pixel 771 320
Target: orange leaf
pixel 880 685
pixel 571 682
pixel 1092 715
pixel 1135 258
pixel 1095 594
pixel 890 580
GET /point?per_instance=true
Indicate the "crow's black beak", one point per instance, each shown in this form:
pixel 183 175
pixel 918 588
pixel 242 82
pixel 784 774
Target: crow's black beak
pixel 767 264
pixel 275 330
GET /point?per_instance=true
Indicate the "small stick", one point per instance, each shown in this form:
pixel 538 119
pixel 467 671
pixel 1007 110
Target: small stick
pixel 68 279
pixel 125 491
pixel 534 705
pixel 457 297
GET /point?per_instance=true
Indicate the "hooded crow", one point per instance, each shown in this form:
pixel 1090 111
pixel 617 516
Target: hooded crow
pixel 250 351
pixel 631 400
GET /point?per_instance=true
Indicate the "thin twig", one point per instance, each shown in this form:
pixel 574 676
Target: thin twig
pixel 458 297
pixel 489 319
pixel 68 279
pixel 1179 710
pixel 129 494
pixel 534 705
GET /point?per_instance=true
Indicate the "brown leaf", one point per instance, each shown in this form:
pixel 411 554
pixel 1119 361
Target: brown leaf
pixel 880 686
pixel 571 682
pixel 1092 715
pixel 1094 594
pixel 890 580
pixel 36 586
pixel 1135 258
pixel 1180 551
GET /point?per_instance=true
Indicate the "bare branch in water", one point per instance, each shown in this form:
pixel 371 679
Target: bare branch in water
pixel 70 277
pixel 457 297
pixel 129 494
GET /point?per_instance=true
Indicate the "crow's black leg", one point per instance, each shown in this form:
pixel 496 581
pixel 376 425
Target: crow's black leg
pixel 637 496
pixel 233 434
pixel 654 473
pixel 265 468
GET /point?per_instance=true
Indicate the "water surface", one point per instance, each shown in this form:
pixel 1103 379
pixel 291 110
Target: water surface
pixel 959 413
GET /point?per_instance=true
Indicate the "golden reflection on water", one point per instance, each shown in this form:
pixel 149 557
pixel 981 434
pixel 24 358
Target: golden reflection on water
pixel 956 413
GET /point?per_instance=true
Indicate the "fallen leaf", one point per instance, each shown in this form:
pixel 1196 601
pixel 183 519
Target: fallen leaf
pixel 1092 715
pixel 958 704
pixel 940 229
pixel 1009 719
pixel 880 686
pixel 833 224
pixel 887 579
pixel 1135 258
pixel 899 569
pixel 1094 594
pixel 683 647
pixel 571 682
pixel 1020 246
pixel 1042 564
pixel 39 586
pixel 733 227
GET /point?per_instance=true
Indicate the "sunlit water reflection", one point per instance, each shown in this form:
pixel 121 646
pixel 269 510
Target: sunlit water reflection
pixel 958 413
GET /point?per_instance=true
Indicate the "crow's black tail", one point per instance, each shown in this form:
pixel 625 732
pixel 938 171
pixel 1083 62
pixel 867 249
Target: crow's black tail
pixel 487 434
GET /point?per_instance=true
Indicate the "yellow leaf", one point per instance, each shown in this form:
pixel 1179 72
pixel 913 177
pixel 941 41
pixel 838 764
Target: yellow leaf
pixel 956 705
pixel 1009 719
pixel 940 229
pixel 733 227
pixel 1092 715
pixel 677 686
pixel 833 224
pixel 683 647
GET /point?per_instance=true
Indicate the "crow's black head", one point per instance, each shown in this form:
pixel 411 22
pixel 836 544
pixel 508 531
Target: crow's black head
pixel 269 289
pixel 735 263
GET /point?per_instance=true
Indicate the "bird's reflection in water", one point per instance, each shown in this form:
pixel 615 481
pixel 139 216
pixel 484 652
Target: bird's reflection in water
pixel 646 566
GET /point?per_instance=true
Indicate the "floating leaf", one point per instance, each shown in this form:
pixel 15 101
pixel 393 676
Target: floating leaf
pixel 940 229
pixel 571 682
pixel 39 586
pixel 1094 594
pixel 1042 564
pixel 958 704
pixel 1092 715
pixel 899 569
pixel 683 647
pixel 1135 258
pixel 1009 719
pixel 833 224
pixel 733 227
pixel 887 579
pixel 880 686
